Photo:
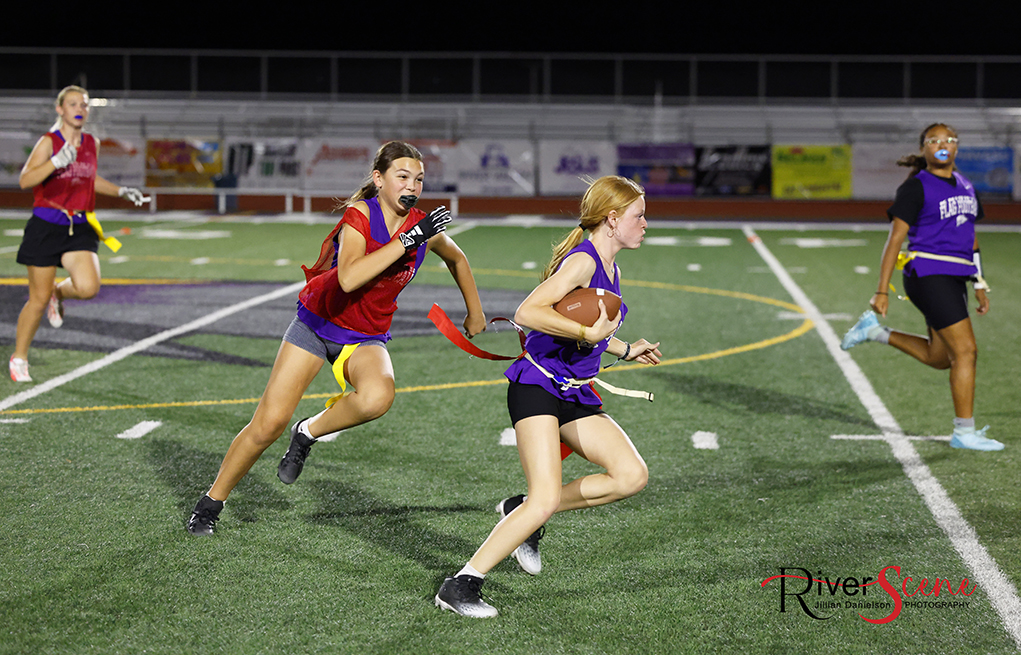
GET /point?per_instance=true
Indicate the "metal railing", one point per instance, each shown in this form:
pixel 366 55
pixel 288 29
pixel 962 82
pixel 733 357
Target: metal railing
pixel 512 77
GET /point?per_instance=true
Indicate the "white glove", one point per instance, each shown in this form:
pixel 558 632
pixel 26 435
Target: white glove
pixel 132 194
pixel 65 156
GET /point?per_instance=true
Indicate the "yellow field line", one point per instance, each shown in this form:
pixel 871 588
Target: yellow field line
pixel 793 334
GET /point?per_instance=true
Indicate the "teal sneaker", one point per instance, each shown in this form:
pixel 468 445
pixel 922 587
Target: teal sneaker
pixel 973 439
pixel 860 331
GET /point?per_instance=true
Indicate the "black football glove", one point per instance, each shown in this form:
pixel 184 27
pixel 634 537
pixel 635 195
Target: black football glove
pixel 426 228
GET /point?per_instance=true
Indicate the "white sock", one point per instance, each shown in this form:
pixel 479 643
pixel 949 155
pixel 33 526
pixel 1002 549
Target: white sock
pixel 470 570
pixel 303 429
pixel 880 334
pixel 964 423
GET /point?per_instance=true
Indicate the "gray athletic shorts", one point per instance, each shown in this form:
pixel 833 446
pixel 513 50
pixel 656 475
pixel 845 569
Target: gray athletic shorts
pixel 303 337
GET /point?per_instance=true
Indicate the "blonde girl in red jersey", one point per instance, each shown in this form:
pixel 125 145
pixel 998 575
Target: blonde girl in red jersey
pixel 344 316
pixel 62 171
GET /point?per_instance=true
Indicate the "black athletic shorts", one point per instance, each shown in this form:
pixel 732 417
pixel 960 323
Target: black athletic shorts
pixel 942 299
pixel 525 400
pixel 44 242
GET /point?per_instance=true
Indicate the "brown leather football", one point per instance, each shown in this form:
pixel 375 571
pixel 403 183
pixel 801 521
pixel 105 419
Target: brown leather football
pixel 582 305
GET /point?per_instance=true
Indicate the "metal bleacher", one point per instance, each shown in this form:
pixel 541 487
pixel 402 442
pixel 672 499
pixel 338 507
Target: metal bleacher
pixel 452 102
pixel 709 124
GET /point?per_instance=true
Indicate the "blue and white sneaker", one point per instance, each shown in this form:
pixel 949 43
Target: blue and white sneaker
pixel 860 331
pixel 973 439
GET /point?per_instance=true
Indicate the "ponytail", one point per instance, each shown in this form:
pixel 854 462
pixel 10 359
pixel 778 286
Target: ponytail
pixel 570 242
pixel 608 193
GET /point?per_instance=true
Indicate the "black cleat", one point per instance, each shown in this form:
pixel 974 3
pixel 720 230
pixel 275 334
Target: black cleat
pixel 462 595
pixel 294 459
pixel 527 554
pixel 204 517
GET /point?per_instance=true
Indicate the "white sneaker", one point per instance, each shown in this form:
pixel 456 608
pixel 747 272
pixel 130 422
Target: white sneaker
pixel 55 311
pixel 19 370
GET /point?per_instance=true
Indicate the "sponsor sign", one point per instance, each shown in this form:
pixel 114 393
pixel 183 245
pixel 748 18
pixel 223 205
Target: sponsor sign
pixel 811 172
pixel 664 169
pixel 566 166
pixel 122 162
pixel 495 167
pixel 733 171
pixel 182 163
pixel 337 165
pixel 263 163
pixel 990 169
pixel 875 174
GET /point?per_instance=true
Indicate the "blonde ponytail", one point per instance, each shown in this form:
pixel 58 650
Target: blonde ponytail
pixel 575 237
pixel 608 193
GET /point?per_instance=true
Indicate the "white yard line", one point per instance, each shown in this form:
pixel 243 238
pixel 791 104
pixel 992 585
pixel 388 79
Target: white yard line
pixel 1001 591
pixel 139 430
pixel 148 342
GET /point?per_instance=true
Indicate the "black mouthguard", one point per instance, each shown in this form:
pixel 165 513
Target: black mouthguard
pixel 408 201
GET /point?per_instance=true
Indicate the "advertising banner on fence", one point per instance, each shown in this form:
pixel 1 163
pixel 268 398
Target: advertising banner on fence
pixel 122 162
pixel 337 165
pixel 875 173
pixel 733 171
pixel 565 165
pixel 990 169
pixel 263 163
pixel 811 172
pixel 495 167
pixel 182 163
pixel 664 169
pixel 1016 191
pixel 15 147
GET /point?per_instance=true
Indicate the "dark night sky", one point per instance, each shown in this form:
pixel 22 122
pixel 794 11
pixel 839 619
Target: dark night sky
pixel 636 26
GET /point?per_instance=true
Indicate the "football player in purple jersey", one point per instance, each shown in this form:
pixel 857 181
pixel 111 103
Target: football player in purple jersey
pixel 935 209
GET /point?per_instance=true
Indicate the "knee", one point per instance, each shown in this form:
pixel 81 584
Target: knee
pixel 87 291
pixel 375 401
pixel 965 355
pixel 542 505
pixel 632 479
pixel 265 428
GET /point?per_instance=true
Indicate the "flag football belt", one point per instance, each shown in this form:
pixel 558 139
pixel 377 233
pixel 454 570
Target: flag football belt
pixel 904 257
pixel 449 330
pixel 111 243
pixel 566 383
pixel 338 372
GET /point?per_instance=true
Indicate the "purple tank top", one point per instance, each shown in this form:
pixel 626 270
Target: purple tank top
pixel 945 226
pixel 564 357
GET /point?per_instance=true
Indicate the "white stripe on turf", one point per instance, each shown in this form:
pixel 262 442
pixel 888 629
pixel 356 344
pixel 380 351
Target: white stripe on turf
pixel 140 430
pixel 1002 593
pixel 148 342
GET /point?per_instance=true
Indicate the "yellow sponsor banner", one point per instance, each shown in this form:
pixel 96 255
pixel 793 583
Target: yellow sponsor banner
pixel 804 172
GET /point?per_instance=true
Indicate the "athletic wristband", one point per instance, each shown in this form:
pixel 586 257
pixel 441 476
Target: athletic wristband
pixel 627 351
pixel 581 333
pixel 882 293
